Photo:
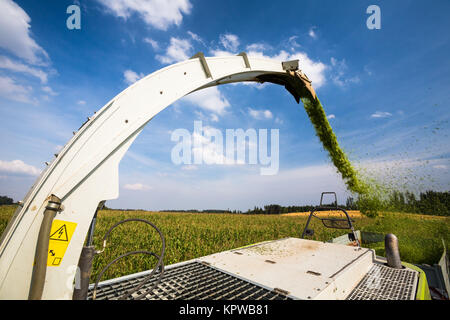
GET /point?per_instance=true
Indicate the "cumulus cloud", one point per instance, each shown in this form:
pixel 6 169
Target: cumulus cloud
pixel 160 14
pixel 131 77
pixel 178 50
pixel 210 99
pixel 18 167
pixel 15 34
pixel 315 70
pixel 229 41
pixel 15 66
pixel 331 116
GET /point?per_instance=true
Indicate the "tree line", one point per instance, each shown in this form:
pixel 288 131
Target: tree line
pixel 428 202
pixel 4 200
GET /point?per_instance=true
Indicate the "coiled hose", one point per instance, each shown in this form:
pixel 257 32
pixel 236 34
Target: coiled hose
pixel 159 266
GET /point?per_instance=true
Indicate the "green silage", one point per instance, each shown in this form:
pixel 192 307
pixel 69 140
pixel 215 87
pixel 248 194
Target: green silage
pixel 369 199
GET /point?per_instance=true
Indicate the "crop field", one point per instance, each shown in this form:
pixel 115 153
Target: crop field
pixel 192 235
pixel 331 213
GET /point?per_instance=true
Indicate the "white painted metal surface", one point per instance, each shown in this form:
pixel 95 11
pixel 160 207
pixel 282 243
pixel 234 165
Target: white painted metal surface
pixel 86 170
pixel 291 268
pixel 305 269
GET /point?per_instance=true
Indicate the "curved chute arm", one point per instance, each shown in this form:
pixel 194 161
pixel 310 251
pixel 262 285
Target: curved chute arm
pixel 86 170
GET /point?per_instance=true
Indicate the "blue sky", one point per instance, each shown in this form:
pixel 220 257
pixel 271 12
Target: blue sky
pixel 386 93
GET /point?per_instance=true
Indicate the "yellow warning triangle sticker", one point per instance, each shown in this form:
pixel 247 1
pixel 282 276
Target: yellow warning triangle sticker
pixel 60 234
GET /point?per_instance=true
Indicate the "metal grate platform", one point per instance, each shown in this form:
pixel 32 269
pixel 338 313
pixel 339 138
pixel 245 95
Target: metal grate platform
pixel 384 283
pixel 193 280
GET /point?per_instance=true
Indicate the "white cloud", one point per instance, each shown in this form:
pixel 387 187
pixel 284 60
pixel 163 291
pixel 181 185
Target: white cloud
pixel 210 99
pixel 137 187
pixel 196 37
pixel 211 152
pixel 331 116
pixel 339 69
pixel 221 53
pixel 157 13
pixel 15 66
pixel 440 166
pixel 230 42
pixel 178 50
pixel 18 167
pixel 152 42
pixel 260 114
pixel 315 70
pixel 381 114
pixel 131 77
pixel 293 42
pixel 257 47
pixel 312 33
pixel 15 34
pixel 214 117
pixel 81 102
pixel 49 90
pixel 11 90
pixel 245 186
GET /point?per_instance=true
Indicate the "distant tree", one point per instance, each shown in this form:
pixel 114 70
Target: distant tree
pixel 272 209
pixel 350 204
pixel 429 202
pixel 6 200
pixel 434 203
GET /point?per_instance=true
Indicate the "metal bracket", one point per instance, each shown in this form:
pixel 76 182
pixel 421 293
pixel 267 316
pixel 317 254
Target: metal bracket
pixel 202 58
pixel 290 65
pixel 246 61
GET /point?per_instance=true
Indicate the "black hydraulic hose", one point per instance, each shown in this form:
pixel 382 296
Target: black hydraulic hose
pixel 143 282
pixel 159 265
pixel 41 255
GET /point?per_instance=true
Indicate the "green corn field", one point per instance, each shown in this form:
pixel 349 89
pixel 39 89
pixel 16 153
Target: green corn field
pixel 192 235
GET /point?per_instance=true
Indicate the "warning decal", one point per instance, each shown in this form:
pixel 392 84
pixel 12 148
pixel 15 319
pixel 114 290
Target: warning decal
pixel 60 236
